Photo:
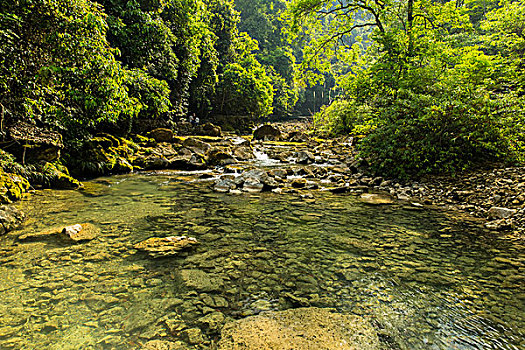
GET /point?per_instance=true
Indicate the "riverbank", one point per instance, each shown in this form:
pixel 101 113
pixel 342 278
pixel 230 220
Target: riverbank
pixel 283 158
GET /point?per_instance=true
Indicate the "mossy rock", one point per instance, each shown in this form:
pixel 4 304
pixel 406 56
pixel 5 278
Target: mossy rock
pixel 105 154
pixel 105 140
pixel 10 218
pixel 57 176
pixel 12 187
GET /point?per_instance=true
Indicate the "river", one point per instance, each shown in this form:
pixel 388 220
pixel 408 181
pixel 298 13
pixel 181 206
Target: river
pixel 424 279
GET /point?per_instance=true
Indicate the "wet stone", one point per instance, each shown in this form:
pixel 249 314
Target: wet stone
pixel 160 247
pixel 80 232
pixel 201 281
pixel 304 328
pixel 376 199
pixel 163 345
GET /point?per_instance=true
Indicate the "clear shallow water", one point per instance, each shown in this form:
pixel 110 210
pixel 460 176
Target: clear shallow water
pixel 424 281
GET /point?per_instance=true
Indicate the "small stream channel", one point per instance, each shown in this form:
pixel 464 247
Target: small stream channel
pixel 424 280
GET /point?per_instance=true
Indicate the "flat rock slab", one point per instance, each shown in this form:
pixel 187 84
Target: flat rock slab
pixel 500 213
pixel 376 199
pixel 304 328
pixel 41 235
pixel 159 247
pixel 201 281
pixel 72 233
pixel 80 232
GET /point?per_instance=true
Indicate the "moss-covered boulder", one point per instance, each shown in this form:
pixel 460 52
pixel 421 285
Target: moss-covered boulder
pixel 57 176
pixel 161 135
pixel 103 154
pixel 12 187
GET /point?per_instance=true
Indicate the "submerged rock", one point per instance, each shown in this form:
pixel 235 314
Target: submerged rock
pixel 41 235
pixel 212 321
pixel 303 328
pixel 500 213
pixel 159 247
pixel 376 198
pixel 201 281
pixel 74 233
pixel 80 232
pixel 163 345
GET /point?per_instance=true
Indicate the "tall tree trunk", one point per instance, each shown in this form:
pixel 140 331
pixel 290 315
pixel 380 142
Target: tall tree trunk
pixel 410 23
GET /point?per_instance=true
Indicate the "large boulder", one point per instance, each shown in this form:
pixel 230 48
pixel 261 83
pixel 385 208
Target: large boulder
pixel 161 135
pixel 303 328
pixel 10 218
pixel 196 145
pixel 35 144
pixel 256 180
pixel 267 133
pixel 219 156
pixel 224 185
pixel 160 247
pixel 304 157
pixel 208 129
pixel 243 153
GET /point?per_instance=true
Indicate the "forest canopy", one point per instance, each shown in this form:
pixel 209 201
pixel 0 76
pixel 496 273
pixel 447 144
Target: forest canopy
pixel 430 86
pixel 425 86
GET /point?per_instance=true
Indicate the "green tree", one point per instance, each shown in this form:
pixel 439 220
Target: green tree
pixel 262 21
pixel 57 67
pixel 244 87
pixel 425 97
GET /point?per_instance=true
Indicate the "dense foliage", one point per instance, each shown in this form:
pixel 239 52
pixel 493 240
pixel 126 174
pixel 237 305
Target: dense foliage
pixel 82 66
pixel 261 19
pixel 56 66
pixel 429 88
